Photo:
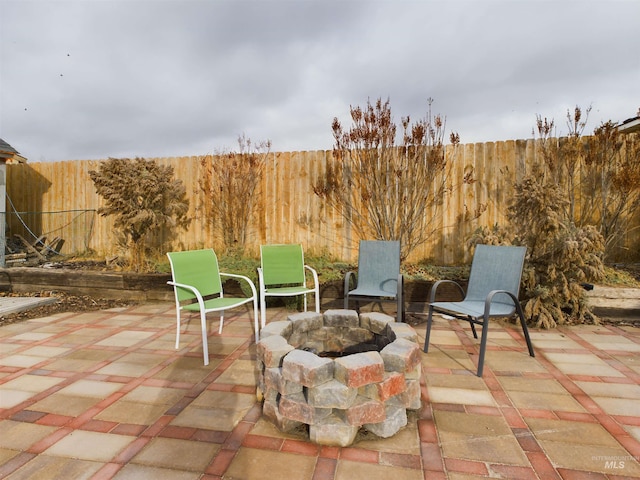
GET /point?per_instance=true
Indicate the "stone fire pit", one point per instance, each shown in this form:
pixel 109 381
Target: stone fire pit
pixel 338 372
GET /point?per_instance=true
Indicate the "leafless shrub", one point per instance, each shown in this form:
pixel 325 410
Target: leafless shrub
pixel 383 190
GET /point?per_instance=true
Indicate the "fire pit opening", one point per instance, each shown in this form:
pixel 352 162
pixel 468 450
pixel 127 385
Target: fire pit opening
pixel 339 372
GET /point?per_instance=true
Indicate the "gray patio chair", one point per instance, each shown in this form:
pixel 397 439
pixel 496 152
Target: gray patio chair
pixel 494 283
pixel 378 276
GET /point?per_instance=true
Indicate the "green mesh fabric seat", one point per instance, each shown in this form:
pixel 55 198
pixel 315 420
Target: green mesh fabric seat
pixel 494 284
pixel 282 273
pixel 378 277
pixel 197 285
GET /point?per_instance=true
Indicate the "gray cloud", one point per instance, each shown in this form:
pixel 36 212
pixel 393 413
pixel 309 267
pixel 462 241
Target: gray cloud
pixel 94 78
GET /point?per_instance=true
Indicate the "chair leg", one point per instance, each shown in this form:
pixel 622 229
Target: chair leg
pixel 255 320
pixel 346 300
pixel 221 323
pixel 203 328
pixel 428 333
pixel 525 330
pixel 263 309
pixel 483 345
pixel 473 329
pixel 400 313
pixel 178 322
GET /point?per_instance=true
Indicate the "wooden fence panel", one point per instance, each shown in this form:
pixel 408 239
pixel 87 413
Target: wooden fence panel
pixel 287 210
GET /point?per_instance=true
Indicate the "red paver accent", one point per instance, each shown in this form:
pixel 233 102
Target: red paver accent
pixel 431 457
pixel 98 426
pixel 465 466
pixel 401 460
pixel 325 469
pixel 330 452
pixel 301 447
pixel 631 444
pixel 626 420
pixel 576 417
pixel 221 462
pixel 580 475
pixel 542 466
pixel 526 439
pixel 427 431
pixel 15 463
pixel 182 433
pixel 359 455
pixel 131 450
pixel 234 441
pixel 513 418
pixel 502 399
pixel 54 420
pixel 611 425
pixel 27 416
pixel 129 429
pixel 157 427
pixel 262 442
pixel 107 471
pixel 49 440
pixel 210 436
pixel 484 410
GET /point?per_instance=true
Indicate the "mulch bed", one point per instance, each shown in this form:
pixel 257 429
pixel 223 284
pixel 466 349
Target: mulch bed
pixel 65 303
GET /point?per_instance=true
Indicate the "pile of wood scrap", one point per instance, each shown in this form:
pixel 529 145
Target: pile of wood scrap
pixel 22 253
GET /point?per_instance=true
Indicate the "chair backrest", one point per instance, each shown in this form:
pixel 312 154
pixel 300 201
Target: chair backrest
pixel 495 268
pixel 379 265
pixel 282 264
pixel 198 268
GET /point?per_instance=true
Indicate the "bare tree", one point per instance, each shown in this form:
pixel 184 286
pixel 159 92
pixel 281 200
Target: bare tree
pixel 230 183
pixel 388 191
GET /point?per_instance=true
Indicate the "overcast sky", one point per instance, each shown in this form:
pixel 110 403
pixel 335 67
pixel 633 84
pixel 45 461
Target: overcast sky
pixel 94 79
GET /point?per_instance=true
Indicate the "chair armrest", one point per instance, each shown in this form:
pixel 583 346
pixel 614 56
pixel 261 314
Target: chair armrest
pixel 347 279
pixel 242 277
pixel 261 280
pixel 314 273
pixel 432 296
pixel 191 288
pixel 493 293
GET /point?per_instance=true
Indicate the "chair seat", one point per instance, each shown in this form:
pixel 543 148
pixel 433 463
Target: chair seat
pixel 213 304
pixel 475 308
pixel 288 291
pixel 371 292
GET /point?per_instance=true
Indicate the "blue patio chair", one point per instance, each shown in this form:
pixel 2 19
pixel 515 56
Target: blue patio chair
pixel 494 284
pixel 378 276
pixel 197 285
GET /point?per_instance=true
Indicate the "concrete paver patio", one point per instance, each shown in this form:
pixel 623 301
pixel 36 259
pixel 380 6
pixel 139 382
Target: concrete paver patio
pixel 105 395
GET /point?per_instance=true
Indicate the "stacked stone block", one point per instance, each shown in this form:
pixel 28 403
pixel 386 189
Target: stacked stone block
pixel 371 388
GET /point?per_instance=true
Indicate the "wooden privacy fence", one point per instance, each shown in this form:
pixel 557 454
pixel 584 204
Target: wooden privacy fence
pixel 287 211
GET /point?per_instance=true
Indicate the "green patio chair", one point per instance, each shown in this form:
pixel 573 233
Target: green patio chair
pixel 378 277
pixel 282 273
pixel 494 283
pixel 197 285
